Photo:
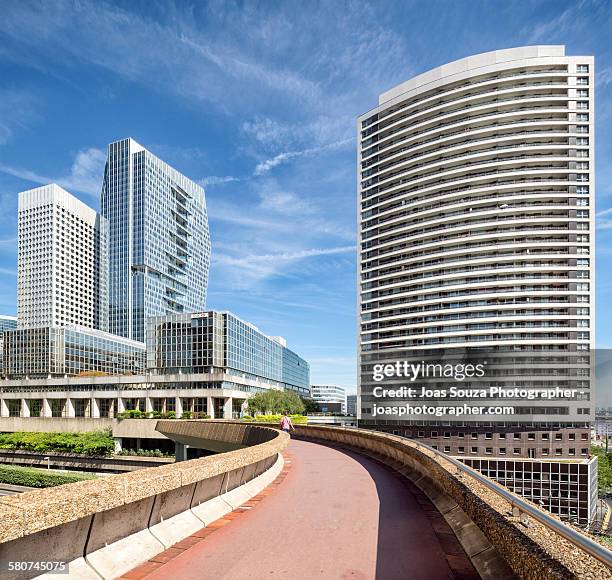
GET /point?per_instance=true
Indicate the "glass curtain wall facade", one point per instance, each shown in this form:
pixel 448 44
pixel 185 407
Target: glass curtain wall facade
pixel 6 323
pixel 53 351
pixel 212 341
pixel 159 241
pixel 476 212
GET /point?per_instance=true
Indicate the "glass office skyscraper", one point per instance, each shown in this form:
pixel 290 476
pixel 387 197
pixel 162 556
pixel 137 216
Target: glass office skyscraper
pixel 159 242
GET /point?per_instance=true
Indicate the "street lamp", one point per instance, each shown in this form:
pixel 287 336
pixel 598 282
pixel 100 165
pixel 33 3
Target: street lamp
pixel 48 462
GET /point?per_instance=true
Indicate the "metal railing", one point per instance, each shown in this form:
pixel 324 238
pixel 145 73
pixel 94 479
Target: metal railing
pixel 579 540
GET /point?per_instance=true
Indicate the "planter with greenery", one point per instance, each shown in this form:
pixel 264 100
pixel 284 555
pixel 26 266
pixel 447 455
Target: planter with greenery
pixel 32 477
pixel 145 453
pixel 136 414
pixel 92 443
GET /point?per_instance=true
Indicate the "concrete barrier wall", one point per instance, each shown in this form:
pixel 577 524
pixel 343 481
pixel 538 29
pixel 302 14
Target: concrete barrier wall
pixel 133 428
pixel 107 526
pixel 499 545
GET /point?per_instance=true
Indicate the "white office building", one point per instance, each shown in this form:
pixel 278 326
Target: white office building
pixel 62 261
pixel 476 212
pixel 330 398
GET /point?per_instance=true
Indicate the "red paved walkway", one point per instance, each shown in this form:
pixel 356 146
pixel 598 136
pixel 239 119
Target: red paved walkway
pixel 337 514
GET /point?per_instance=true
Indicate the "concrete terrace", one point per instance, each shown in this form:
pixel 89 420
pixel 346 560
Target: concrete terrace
pixel 328 503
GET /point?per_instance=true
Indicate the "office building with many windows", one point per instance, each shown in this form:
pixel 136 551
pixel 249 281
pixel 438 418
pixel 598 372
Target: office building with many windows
pixel 330 398
pixel 53 351
pixel 6 323
pixel 208 342
pixel 351 405
pixel 199 364
pixel 476 213
pixel 159 242
pixel 62 261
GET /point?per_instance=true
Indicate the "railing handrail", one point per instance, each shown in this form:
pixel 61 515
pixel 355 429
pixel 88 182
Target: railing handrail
pixel 583 542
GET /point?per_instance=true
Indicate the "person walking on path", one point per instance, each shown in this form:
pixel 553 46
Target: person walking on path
pixel 285 424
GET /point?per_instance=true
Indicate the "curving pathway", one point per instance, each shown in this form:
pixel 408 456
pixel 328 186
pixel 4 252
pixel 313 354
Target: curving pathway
pixel 336 514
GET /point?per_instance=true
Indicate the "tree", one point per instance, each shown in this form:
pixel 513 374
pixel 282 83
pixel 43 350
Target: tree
pixel 604 469
pixel 311 406
pixel 274 402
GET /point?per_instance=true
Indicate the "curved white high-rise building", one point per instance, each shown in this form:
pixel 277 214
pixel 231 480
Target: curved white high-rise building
pixel 476 218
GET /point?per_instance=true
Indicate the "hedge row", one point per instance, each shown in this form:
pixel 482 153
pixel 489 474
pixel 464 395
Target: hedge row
pixel 136 414
pixel 92 443
pixel 32 477
pixel 295 419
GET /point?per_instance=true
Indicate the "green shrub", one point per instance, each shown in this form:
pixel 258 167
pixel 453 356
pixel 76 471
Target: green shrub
pixel 92 443
pixel 186 415
pixel 295 419
pixel 247 418
pixel 145 453
pixel 201 416
pixel 31 477
pixel 132 414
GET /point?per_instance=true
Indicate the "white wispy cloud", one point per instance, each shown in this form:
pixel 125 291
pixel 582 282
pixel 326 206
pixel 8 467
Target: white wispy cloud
pixel 268 164
pixel 85 175
pixel 256 260
pixel 218 179
pixel 17 110
pixel 246 271
pixel 604 77
pixel 557 25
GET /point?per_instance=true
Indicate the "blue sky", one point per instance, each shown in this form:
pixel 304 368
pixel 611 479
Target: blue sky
pixel 257 101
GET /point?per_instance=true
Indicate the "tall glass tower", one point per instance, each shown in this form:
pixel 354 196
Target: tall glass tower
pixel 159 241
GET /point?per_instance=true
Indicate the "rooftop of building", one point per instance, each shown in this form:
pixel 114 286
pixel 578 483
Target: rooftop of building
pixel 88 331
pixel 190 315
pixel 53 193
